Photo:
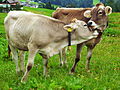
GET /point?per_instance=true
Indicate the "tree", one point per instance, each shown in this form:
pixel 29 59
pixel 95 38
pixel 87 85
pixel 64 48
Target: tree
pixel 115 4
pixel 103 1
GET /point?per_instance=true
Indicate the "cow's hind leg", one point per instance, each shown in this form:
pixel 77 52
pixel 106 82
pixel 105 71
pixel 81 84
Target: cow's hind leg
pixel 15 57
pixel 32 52
pixel 45 63
pixel 22 57
pixel 60 56
pixel 78 51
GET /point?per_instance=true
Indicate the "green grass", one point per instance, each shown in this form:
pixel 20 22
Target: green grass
pixel 114 25
pixel 105 65
pixel 39 10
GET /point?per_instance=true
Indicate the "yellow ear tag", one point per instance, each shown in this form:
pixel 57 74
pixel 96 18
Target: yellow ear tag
pixel 69 29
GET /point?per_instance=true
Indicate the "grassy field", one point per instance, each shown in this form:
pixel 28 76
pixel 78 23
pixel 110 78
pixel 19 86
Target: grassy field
pixel 105 64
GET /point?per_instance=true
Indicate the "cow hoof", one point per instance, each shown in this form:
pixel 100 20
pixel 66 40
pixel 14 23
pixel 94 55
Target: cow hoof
pixel 71 73
pixel 23 80
pixel 18 71
pixel 88 71
pixel 64 65
pixel 61 64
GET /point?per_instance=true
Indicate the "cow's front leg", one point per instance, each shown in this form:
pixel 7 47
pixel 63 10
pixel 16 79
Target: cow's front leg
pixel 89 55
pixel 32 52
pixel 78 51
pixel 62 55
pixel 22 57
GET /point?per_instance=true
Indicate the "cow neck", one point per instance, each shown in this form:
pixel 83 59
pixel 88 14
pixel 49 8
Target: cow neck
pixel 99 35
pixel 68 35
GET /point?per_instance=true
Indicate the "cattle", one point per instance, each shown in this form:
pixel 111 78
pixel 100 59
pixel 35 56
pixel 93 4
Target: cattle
pixel 42 34
pixel 96 19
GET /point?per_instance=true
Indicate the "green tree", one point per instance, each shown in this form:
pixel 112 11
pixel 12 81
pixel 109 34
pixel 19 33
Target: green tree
pixel 115 4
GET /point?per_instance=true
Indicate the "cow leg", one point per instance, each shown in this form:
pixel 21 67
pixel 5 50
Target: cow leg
pixel 15 57
pixel 78 51
pixel 9 50
pixel 22 57
pixel 32 52
pixel 45 62
pixel 62 55
pixel 89 55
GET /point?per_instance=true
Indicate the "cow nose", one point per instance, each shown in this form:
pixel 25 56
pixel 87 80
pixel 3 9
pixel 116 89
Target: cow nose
pixel 89 23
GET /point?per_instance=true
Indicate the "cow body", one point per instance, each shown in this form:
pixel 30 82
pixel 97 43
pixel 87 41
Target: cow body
pixel 42 34
pixel 96 18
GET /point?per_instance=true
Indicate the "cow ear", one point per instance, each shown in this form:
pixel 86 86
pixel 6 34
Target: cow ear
pixel 70 27
pixel 87 14
pixel 108 10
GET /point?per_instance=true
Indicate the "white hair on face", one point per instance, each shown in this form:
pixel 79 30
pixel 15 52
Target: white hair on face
pixel 102 7
pixel 94 7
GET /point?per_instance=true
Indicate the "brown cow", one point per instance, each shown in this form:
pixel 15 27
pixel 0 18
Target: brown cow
pixel 96 18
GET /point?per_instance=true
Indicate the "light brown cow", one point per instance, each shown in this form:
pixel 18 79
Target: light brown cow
pixel 96 18
pixel 41 34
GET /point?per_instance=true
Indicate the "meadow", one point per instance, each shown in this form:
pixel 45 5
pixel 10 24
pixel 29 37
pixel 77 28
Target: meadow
pixel 105 64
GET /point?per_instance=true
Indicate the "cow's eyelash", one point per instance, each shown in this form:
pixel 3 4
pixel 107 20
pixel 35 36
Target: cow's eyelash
pixel 100 12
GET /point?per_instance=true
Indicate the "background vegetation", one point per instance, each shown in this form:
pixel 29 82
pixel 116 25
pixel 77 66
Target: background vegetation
pixel 115 4
pixel 105 64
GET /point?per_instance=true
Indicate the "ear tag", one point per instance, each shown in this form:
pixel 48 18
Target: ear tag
pixel 69 29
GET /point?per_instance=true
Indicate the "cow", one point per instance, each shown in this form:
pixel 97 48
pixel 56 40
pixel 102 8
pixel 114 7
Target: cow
pixel 96 19
pixel 42 34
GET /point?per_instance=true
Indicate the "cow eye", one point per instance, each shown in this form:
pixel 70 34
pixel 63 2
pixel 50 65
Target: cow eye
pixel 100 12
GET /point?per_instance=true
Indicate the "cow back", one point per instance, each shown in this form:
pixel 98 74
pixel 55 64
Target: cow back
pixel 67 15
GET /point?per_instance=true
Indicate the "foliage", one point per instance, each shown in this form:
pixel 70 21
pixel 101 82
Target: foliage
pixel 115 4
pixel 114 25
pixel 105 70
pixel 74 3
pixel 48 5
pixel 95 2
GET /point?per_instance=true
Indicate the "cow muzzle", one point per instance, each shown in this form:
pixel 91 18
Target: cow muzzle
pixel 92 25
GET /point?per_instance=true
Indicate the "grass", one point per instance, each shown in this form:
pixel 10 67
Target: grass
pixel 39 10
pixel 114 25
pixel 105 65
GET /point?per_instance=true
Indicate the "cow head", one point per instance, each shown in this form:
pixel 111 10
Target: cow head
pixel 81 30
pixel 98 16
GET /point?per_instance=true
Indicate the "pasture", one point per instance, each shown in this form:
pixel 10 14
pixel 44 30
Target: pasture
pixel 105 64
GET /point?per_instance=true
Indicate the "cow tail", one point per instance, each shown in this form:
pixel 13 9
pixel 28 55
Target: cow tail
pixel 9 51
